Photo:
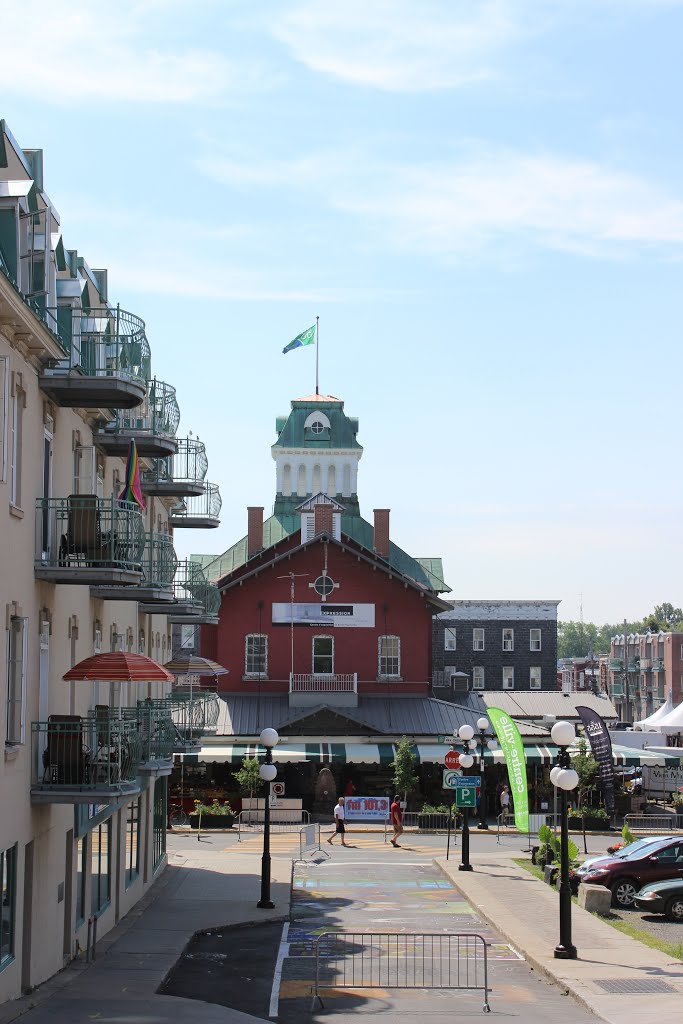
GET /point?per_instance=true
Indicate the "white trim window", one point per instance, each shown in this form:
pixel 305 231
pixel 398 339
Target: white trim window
pixel 534 639
pixel 508 677
pixel 16 436
pixel 17 660
pixel 478 638
pixel 535 677
pixel 508 639
pixel 449 638
pixel 478 677
pixel 389 657
pixel 4 417
pixel 322 655
pixel 256 656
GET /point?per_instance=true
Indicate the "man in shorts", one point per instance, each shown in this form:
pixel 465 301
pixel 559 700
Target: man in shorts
pixel 339 816
pixel 396 819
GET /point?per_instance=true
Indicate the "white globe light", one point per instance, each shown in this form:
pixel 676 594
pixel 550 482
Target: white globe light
pixel 563 734
pixel 466 760
pixel 554 773
pixel 268 772
pixel 465 732
pixel 492 744
pixel 568 778
pixel 482 724
pixel 473 744
pixel 269 738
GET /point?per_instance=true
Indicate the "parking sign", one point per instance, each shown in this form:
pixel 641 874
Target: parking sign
pixel 465 796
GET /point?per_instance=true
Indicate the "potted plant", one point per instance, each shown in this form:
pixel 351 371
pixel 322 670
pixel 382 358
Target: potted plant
pixel 543 854
pixel 593 819
pixel 213 815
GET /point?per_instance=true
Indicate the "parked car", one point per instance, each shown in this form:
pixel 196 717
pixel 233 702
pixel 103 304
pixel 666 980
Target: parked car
pixel 625 851
pixel 625 876
pixel 662 898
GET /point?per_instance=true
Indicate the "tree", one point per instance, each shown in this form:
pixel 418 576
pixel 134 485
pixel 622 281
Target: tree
pixel 248 778
pixel 667 616
pixel 587 768
pixel 404 764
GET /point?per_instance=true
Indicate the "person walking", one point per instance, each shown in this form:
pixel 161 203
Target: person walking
pixel 339 816
pixel 505 800
pixel 396 820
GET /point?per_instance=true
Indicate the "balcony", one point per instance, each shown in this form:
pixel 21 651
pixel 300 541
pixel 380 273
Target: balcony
pixel 87 540
pixel 315 688
pixel 199 513
pixel 108 359
pixel 158 736
pixel 616 664
pixel 617 689
pixel 152 424
pixel 658 664
pixel 633 665
pixel 158 565
pixel 85 760
pixel 197 600
pixel 180 475
pixel 192 715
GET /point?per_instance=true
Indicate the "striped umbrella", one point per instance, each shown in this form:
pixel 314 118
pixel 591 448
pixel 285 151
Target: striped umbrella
pixel 193 665
pixel 118 667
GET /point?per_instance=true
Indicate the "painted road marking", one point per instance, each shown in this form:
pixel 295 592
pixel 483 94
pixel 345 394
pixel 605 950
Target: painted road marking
pixel 282 952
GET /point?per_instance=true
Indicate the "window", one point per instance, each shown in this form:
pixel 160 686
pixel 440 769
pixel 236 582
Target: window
pixel 508 678
pixel 159 823
pixel 478 677
pixel 256 654
pixel 478 639
pixel 8 874
pixel 133 841
pixel 17 653
pixel 534 639
pixel 4 407
pixel 317 427
pixel 449 639
pixel 389 657
pixel 16 427
pixel 535 677
pixel 81 874
pixel 101 866
pixel 323 655
pixel 508 639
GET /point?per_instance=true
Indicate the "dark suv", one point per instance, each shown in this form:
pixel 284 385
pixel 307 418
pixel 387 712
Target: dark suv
pixel 625 876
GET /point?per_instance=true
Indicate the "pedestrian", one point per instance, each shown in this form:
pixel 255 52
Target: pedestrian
pixel 505 800
pixel 350 788
pixel 339 815
pixel 396 819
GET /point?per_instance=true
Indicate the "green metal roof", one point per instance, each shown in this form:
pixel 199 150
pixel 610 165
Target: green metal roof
pixel 342 432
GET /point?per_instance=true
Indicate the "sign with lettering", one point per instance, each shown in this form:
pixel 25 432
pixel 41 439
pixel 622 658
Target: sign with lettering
pixel 286 613
pixel 452 759
pixel 466 796
pixel 367 808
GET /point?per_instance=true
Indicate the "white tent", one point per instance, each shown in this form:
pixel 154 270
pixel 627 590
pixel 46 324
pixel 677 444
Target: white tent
pixel 651 723
pixel 673 722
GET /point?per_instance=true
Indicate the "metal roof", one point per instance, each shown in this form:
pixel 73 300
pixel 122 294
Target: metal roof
pixel 537 703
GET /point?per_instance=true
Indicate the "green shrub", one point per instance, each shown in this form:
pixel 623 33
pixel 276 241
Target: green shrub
pixel 216 808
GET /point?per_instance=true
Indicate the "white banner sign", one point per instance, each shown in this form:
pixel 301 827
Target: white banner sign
pixel 662 780
pixel 366 808
pixel 324 614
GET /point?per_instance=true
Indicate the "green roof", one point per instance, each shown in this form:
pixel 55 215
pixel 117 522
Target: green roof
pixel 341 434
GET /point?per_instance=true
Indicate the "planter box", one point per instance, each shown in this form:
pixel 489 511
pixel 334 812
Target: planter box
pixel 212 821
pixel 592 824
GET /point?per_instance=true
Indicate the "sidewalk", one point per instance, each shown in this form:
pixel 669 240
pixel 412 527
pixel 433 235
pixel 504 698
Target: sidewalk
pixel 616 977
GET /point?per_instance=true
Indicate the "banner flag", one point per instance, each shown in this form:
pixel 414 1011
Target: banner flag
pixel 133 491
pixel 306 337
pixel 513 749
pixel 601 749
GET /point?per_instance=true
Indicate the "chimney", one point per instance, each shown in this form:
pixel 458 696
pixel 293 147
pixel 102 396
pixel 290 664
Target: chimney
pixel 254 530
pixel 381 538
pixel 323 519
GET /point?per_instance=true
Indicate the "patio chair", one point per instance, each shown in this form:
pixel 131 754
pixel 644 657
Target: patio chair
pixel 66 759
pixel 83 541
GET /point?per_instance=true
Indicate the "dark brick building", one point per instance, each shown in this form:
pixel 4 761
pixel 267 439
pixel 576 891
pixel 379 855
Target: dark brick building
pixel 494 645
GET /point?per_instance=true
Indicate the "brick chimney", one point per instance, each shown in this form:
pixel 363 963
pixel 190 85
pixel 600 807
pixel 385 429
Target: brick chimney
pixel 381 537
pixel 254 530
pixel 323 519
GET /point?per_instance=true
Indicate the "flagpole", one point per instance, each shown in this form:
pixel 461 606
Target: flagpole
pixel 316 353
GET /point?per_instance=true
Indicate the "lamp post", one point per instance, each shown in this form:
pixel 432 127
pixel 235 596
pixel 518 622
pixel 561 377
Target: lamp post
pixel 564 778
pixel 482 726
pixel 465 733
pixel 268 772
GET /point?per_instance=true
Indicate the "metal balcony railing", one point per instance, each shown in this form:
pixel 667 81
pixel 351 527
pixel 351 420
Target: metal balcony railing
pixel 188 466
pixel 633 665
pixel 102 342
pixel 159 561
pixel 156 730
pixel 191 586
pixel 198 510
pixel 87 532
pixel 158 414
pixel 316 683
pixel 658 664
pixel 192 716
pixel 85 759
pixel 616 664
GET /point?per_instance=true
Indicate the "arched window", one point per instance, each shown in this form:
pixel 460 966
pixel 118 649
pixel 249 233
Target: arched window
pixel 346 485
pixel 301 482
pixel 323 656
pixel 317 480
pixel 331 481
pixel 256 656
pixel 286 480
pixel 141 642
pixel 389 657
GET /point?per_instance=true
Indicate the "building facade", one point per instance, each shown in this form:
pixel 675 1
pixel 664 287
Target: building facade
pixel 82 572
pixel 645 670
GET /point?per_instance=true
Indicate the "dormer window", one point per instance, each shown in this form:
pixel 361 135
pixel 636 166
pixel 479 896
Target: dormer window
pixel 317 427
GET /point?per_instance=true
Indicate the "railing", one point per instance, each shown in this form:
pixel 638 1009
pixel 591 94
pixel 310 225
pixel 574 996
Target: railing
pixel 428 821
pixel 191 585
pixel 309 840
pixel 645 664
pixel 317 683
pixel 199 506
pixel 616 664
pixel 156 730
pixel 102 342
pixel 83 531
pixel 249 823
pixel 159 561
pixel 189 465
pixel 193 716
pixel 504 820
pixel 157 415
pixel 658 664
pixel 633 665
pixel 402 960
pixel 96 753
pixel 663 823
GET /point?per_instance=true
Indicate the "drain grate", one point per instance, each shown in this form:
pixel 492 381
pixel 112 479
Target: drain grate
pixel 616 986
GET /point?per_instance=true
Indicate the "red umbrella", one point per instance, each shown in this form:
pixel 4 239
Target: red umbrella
pixel 119 667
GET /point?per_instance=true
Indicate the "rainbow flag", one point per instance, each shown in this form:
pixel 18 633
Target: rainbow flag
pixel 133 491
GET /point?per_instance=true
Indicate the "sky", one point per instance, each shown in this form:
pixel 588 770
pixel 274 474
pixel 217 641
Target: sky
pixel 483 203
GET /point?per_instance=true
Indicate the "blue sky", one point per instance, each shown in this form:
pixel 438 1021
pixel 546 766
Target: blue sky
pixel 483 203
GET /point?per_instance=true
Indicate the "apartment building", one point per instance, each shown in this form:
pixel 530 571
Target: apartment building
pixel 645 670
pixel 83 778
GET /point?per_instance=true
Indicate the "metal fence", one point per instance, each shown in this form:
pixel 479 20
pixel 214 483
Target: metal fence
pixel 425 822
pixel 654 822
pixel 402 960
pixel 309 840
pixel 250 824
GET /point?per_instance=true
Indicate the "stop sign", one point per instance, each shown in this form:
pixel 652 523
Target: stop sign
pixel 452 759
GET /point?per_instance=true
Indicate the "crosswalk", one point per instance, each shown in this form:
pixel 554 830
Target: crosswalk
pixel 287 845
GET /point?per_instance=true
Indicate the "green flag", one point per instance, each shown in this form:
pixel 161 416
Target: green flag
pixel 306 337
pixel 513 748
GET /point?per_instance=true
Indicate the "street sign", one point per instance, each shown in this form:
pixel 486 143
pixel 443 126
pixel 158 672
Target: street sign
pixel 277 788
pixel 466 796
pixel 452 759
pixel 451 777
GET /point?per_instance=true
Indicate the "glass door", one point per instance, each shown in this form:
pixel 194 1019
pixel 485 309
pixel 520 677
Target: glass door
pixel 323 655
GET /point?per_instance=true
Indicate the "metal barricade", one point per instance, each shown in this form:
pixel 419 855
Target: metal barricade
pixel 664 823
pixel 401 960
pixel 504 820
pixel 249 825
pixel 309 840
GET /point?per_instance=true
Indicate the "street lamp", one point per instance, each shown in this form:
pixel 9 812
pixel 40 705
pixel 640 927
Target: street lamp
pixel 268 773
pixel 482 726
pixel 465 733
pixel 564 778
